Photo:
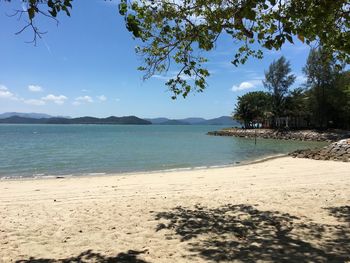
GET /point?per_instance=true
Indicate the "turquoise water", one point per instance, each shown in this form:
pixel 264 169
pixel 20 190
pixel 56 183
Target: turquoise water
pixel 43 150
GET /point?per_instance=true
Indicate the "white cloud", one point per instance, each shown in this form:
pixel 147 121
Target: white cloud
pixel 5 93
pixel 84 99
pixel 3 87
pixel 247 85
pixel 242 86
pixel 34 102
pixel 102 98
pixel 35 88
pixel 117 100
pixel 60 99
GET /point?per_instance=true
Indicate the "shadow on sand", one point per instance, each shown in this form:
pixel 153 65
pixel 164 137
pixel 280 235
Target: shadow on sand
pixel 243 233
pixel 341 212
pixel 89 256
pixel 246 234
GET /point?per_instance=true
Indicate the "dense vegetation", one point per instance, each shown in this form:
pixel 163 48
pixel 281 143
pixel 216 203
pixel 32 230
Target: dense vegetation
pixel 322 102
pixel 175 33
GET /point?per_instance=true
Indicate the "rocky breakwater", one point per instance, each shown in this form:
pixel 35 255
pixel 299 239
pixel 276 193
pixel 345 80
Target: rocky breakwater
pixel 302 135
pixel 337 151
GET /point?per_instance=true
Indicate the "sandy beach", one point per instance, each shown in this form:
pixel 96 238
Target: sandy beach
pixel 281 210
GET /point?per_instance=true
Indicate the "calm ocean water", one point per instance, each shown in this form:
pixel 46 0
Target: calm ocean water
pixel 43 150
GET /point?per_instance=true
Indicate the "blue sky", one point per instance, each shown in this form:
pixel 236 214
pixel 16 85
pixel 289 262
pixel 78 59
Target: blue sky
pixel 87 66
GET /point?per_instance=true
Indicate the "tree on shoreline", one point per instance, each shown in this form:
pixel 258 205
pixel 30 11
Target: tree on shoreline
pixel 297 103
pixel 278 80
pixel 342 98
pixel 252 108
pixel 323 101
pixel 322 72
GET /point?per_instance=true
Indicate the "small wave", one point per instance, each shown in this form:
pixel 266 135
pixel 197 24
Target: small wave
pixel 95 174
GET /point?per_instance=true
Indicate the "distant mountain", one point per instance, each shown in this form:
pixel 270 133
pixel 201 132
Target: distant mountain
pixel 193 120
pixel 80 120
pixel 30 115
pixel 25 115
pixel 223 120
pixel 166 121
pixel 174 122
pixel 158 120
pixel 41 118
pixel 18 119
pixel 110 120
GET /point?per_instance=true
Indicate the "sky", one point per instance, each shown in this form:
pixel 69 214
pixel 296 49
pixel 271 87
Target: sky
pixel 87 66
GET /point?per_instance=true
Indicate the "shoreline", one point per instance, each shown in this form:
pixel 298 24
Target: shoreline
pixel 263 209
pixel 114 174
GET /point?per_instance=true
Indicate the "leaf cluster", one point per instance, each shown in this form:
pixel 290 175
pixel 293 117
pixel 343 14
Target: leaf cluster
pixel 180 32
pixel 253 107
pixel 47 8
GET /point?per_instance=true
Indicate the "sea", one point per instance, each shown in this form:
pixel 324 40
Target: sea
pixel 75 150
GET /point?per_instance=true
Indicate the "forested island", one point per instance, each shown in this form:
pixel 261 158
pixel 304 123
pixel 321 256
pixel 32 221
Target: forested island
pixel 80 120
pixel 42 118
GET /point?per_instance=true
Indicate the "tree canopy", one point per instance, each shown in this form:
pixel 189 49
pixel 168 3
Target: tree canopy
pixel 278 80
pixel 328 90
pixel 179 31
pixel 252 107
pixel 322 102
pixel 47 8
pixel 173 32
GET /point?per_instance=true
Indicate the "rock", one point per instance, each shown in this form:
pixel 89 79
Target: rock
pixel 304 135
pixel 337 151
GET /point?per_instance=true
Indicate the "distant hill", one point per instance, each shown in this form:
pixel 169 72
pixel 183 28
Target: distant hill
pixel 174 122
pixel 25 115
pixel 80 120
pixel 42 118
pixel 193 120
pixel 158 120
pixel 30 115
pixel 223 120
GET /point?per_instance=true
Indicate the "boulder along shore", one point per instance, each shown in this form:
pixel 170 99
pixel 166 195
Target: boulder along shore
pixel 338 150
pixel 302 135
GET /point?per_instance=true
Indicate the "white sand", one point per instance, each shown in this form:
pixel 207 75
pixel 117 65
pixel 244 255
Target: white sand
pixel 117 217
